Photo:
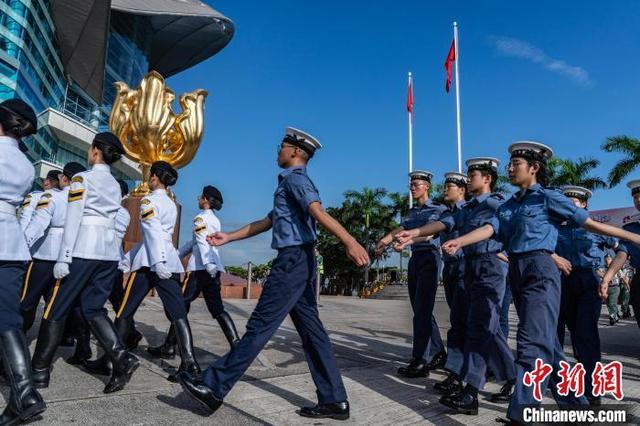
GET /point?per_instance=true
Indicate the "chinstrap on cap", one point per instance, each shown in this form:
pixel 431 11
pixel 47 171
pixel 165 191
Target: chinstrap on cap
pixel 109 138
pixel 578 192
pixel 421 174
pixel 489 164
pixel 456 178
pixel 531 150
pixel 302 140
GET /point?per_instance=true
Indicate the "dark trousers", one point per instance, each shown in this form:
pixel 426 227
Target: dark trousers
pixel 634 299
pixel 535 285
pixel 11 280
pixel 89 283
pixel 288 290
pixel 141 282
pixel 117 291
pixel 504 309
pixel 38 284
pixel 580 308
pixel 200 282
pixel 453 277
pixel 423 282
pixel 485 345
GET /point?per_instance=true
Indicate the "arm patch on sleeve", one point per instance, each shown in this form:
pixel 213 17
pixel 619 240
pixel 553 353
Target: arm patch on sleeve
pixel 199 229
pixel 43 203
pixel 76 195
pixel 26 201
pixel 77 179
pixel 148 214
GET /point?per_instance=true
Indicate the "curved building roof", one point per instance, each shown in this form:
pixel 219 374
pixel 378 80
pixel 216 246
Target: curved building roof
pixel 185 32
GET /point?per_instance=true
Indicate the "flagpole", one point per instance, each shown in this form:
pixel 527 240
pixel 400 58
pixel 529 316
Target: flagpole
pixel 410 113
pixel 455 41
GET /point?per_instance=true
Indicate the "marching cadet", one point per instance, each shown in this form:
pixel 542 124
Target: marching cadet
pixel 527 224
pixel 626 250
pixel 423 272
pixel 482 341
pixel 289 288
pixel 580 303
pixel 44 237
pixel 31 200
pixel 155 264
pixel 17 120
pixel 87 264
pixel 203 272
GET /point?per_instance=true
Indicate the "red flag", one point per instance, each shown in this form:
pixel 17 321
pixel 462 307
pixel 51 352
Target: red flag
pixel 448 64
pixel 410 97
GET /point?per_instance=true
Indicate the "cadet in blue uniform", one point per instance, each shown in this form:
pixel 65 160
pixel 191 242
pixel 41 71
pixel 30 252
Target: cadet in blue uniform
pixel 289 289
pixel 484 283
pixel 527 224
pixel 155 264
pixel 44 237
pixel 422 277
pixel 626 250
pixel 17 120
pixel 203 272
pixel 580 303
pixel 87 264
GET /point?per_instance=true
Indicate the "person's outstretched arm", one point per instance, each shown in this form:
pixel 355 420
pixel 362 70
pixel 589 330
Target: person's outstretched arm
pixel 611 231
pixel 254 228
pixel 614 267
pixel 355 251
pixel 479 234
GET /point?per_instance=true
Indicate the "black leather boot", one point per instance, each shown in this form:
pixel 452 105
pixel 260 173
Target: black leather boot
pixel 228 328
pixel 416 368
pixel 100 367
pixel 167 350
pixel 438 361
pixel 134 337
pixel 83 349
pixel 199 391
pixel 188 361
pixel 124 363
pixel 336 411
pixel 465 402
pixel 449 386
pixel 505 393
pixel 24 402
pixel 49 338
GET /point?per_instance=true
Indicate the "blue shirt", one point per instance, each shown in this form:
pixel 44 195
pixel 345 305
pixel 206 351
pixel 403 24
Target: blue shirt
pixel 529 220
pixel 421 215
pixel 291 222
pixel 632 250
pixel 582 248
pixel 480 211
pixel 454 233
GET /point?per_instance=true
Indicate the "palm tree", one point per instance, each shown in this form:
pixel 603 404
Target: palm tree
pixel 628 146
pixel 399 204
pixel 568 172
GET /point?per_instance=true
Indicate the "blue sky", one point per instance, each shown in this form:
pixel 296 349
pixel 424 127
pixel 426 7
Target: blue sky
pixel 563 73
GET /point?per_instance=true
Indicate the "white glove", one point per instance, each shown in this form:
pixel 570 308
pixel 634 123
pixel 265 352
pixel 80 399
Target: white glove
pixel 60 270
pixel 211 268
pixel 162 271
pixel 124 266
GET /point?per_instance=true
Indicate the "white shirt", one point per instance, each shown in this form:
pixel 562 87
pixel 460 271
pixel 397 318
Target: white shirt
pixel 158 215
pixel 16 177
pixel 44 231
pixel 123 218
pixel 202 253
pixel 28 207
pixel 89 229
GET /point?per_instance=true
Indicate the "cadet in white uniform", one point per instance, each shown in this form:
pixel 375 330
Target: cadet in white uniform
pixel 44 237
pixel 31 200
pixel 155 264
pixel 203 272
pixel 88 259
pixel 17 120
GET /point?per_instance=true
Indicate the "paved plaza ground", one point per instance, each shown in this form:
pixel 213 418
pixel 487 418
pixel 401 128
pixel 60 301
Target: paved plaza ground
pixel 371 338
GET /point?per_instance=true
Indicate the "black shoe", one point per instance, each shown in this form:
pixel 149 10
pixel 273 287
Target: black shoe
pixel 505 393
pixel 199 392
pixel 336 411
pixel 49 337
pixel 438 361
pixel 124 368
pixel 612 321
pixel 188 361
pixel 449 386
pixel 416 368
pixel 83 350
pixel 463 403
pixel 100 367
pixel 228 328
pixel 24 402
pixel 509 422
pixel 167 350
pixel 626 315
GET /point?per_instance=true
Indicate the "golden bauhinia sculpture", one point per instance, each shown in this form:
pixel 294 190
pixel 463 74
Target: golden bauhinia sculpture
pixel 145 122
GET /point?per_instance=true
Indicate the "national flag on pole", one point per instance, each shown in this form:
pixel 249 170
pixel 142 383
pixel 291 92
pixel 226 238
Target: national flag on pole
pixel 448 64
pixel 410 97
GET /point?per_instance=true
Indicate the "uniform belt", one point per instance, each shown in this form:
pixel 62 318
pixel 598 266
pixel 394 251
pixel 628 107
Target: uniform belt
pixel 98 221
pixel 7 208
pixel 530 253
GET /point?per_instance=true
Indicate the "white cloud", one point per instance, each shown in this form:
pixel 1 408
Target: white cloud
pixel 524 50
